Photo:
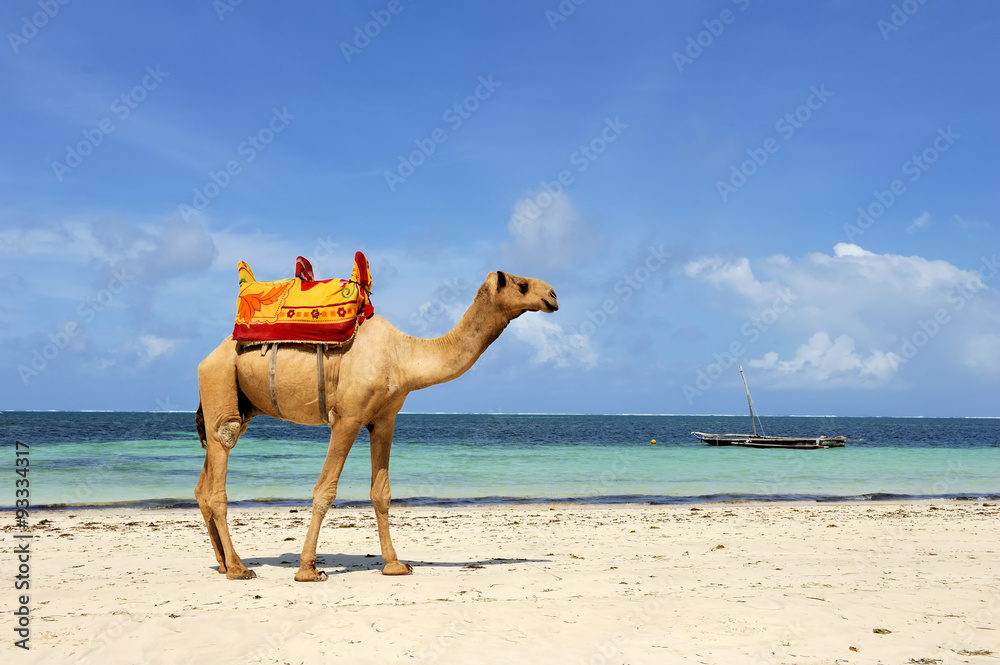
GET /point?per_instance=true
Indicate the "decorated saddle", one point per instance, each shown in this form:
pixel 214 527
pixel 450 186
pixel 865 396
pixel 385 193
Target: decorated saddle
pixel 303 309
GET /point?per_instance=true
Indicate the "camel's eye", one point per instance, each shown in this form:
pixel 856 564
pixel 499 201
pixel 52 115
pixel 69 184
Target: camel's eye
pixel 524 287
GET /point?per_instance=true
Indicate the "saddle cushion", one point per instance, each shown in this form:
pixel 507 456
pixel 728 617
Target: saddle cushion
pixel 303 309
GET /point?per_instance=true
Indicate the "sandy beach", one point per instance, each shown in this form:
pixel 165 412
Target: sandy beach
pixel 714 583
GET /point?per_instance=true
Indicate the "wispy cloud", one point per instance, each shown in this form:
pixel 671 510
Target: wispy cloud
pixel 969 224
pixel 735 274
pixel 548 231
pixel 152 347
pixel 552 344
pixel 921 222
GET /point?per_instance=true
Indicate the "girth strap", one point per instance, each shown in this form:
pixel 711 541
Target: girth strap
pixel 270 381
pixel 321 382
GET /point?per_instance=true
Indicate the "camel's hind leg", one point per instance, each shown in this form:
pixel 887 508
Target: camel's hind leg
pixel 380 433
pixel 222 428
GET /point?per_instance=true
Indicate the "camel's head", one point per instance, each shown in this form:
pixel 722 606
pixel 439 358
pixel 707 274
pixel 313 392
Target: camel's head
pixel 517 295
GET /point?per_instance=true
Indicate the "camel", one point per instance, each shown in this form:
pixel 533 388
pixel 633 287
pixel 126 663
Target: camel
pixel 366 383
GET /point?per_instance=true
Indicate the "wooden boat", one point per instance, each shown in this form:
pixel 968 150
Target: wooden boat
pixel 758 441
pixel 761 440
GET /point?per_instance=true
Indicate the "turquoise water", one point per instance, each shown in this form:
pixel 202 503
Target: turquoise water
pixel 155 458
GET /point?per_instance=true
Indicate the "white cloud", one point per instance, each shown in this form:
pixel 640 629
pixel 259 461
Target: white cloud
pixel 859 311
pixel 552 344
pixel 921 222
pixel 852 286
pixel 821 359
pixel 548 230
pixel 735 275
pixel 533 224
pixel 885 271
pixel 842 249
pixel 152 347
pixel 162 249
pixel 71 240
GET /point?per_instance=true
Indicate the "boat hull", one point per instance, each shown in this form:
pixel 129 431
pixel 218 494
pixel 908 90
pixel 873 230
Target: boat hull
pixel 751 441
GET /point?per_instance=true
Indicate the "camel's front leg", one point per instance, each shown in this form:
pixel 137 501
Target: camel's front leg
pixel 381 442
pixel 341 439
pixel 206 513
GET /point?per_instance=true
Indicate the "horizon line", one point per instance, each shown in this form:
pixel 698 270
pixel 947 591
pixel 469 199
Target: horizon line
pixel 532 413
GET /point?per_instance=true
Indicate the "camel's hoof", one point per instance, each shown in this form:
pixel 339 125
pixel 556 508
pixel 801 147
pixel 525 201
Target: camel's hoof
pixel 222 568
pixel 310 575
pixel 241 573
pixel 397 568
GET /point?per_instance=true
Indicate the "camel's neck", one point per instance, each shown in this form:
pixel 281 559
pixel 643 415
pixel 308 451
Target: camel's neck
pixel 433 361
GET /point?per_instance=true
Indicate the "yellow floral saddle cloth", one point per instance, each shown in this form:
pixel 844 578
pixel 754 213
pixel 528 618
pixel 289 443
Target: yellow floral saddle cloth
pixel 303 309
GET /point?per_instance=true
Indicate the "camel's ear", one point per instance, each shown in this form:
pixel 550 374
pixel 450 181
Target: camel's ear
pixel 501 280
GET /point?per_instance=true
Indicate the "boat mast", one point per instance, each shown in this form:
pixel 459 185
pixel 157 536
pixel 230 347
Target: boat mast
pixel 749 402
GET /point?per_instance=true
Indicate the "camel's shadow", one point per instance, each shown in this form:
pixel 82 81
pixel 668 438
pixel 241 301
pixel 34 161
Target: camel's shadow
pixel 339 564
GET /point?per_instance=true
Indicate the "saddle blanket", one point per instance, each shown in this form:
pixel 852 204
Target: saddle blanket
pixel 303 309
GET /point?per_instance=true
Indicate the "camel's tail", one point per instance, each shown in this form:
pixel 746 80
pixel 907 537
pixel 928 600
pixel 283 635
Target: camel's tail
pixel 199 422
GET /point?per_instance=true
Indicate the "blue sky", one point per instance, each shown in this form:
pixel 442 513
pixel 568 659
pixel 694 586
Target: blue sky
pixel 713 155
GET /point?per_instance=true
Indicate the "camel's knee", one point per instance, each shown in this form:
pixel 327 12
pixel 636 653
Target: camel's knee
pixel 229 433
pixel 226 430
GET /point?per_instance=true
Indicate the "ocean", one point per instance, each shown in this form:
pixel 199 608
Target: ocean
pixel 154 459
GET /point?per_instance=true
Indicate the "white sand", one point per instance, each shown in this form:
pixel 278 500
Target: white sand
pixel 720 583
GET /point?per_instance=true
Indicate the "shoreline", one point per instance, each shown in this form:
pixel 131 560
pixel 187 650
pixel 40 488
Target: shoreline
pixel 529 413
pixel 502 501
pixel 762 582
